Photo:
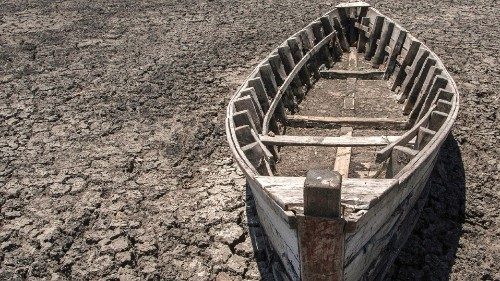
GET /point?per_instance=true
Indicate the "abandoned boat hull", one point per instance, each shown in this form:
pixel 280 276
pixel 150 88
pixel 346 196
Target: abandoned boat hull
pixel 361 239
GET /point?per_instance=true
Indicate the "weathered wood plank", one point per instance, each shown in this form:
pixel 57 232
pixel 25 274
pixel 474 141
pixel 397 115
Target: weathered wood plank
pixel 429 78
pixel 374 36
pixel 257 85
pixel 424 136
pixel 356 193
pixel 287 140
pixel 407 60
pixel 437 120
pixel 412 96
pixel 363 38
pixel 413 72
pixel 400 157
pixel 246 103
pixel 320 121
pixel 385 37
pixel 335 17
pixel 343 157
pixel 395 51
pixel 319 35
pixel 358 74
pixel 440 82
pixel 282 237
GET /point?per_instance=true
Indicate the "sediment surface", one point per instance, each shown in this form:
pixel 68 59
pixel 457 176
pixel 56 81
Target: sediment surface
pixel 113 156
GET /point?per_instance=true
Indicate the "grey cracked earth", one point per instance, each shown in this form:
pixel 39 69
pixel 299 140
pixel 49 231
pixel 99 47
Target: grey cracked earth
pixel 114 163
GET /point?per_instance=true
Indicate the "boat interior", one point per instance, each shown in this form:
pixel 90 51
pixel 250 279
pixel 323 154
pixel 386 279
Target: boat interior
pixel 353 92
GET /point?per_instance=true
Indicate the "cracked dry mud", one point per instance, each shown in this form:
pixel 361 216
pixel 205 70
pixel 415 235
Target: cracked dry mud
pixel 114 163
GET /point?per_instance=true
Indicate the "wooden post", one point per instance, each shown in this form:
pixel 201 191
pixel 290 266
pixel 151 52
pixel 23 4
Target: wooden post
pixel 321 228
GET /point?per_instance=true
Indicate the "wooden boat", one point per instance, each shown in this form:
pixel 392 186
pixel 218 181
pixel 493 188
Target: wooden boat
pixel 337 132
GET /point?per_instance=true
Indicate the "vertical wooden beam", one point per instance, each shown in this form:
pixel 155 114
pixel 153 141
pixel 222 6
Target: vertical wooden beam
pixel 363 39
pixel 385 38
pixel 407 60
pixel 321 228
pixel 413 72
pixel 334 15
pixel 400 157
pixel 374 36
pixel 418 83
pixel 319 35
pixel 395 51
pixel 296 51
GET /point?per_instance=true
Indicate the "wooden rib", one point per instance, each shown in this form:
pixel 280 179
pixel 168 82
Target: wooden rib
pixel 289 64
pixel 244 135
pixel 400 157
pixel 374 36
pixel 249 92
pixel 358 74
pixel 336 49
pixel 300 120
pixel 437 120
pixel 413 72
pixel 384 153
pixel 418 83
pixel 424 136
pixel 343 158
pixel 443 105
pixel 358 194
pixel 243 118
pixel 334 16
pixel 296 51
pixel 407 60
pixel 410 103
pixel 289 79
pixel 319 35
pixel 246 103
pixel 286 140
pixel 425 98
pixel 256 155
pixel 266 73
pixel 385 38
pixel 257 85
pixel 362 38
pixel 395 51
pixel 440 82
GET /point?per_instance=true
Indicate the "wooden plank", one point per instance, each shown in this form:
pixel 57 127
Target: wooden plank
pixel 289 65
pixel 413 72
pixel 267 76
pixel 424 136
pixel 320 121
pixel 249 92
pixel 374 36
pixel 362 38
pixel 322 193
pixel 440 82
pixel 282 237
pixel 418 83
pixel 358 194
pixel 244 135
pixel 437 120
pixel 357 141
pixel 335 17
pixel 395 51
pixel 281 91
pixel 343 157
pixel 358 74
pixel 363 247
pixel 319 35
pixel 385 37
pixel 296 51
pixel 335 48
pixel 410 103
pixel 242 118
pixel 443 105
pixel 258 158
pixel 400 157
pixel 407 60
pixel 246 103
pixel 257 85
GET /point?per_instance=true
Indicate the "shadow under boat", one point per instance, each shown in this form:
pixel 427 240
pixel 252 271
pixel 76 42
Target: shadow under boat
pixel 430 249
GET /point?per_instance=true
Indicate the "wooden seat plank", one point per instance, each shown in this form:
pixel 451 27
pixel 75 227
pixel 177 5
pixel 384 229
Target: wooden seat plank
pixel 287 140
